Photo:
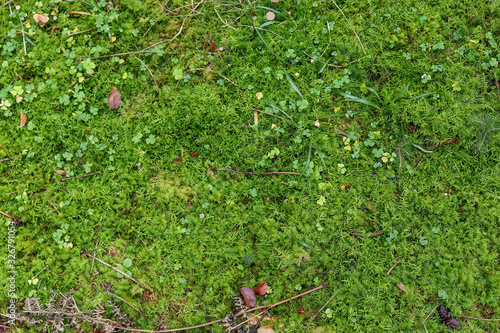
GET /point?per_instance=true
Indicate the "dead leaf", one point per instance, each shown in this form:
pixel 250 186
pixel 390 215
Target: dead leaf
pixel 62 172
pixel 249 297
pixel 401 286
pixel 194 154
pixel 19 99
pixel 316 123
pixel 261 289
pixel 212 47
pixel 79 13
pixel 265 329
pixel 114 99
pixel 41 19
pixel 301 311
pixel 24 119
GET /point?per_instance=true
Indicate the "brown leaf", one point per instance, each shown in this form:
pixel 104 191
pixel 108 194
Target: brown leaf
pixel 301 311
pixel 212 47
pixel 249 297
pixel 261 289
pixel 114 98
pixel 41 19
pixel 61 172
pixel 401 286
pixel 194 154
pixel 24 119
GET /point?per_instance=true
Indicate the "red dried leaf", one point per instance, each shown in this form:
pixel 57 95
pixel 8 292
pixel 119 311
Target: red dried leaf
pixel 261 289
pixel 249 297
pixel 212 47
pixel 41 19
pixel 24 119
pixel 301 311
pixel 194 154
pixel 114 98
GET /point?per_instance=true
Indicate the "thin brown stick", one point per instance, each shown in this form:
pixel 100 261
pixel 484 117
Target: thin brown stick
pixel 145 246
pixel 389 272
pixel 10 217
pixel 57 210
pixel 261 173
pixel 5 159
pixel 351 26
pixel 133 307
pixel 40 272
pixel 88 174
pixel 276 304
pixel 356 234
pixel 269 114
pixel 445 143
pixel 7 3
pixel 377 233
pixel 427 316
pixel 483 319
pixel 408 30
pixel 180 30
pixel 498 87
pixel 206 315
pixel 127 53
pixel 93 260
pixel 114 268
pixel 414 171
pixel 148 70
pixel 317 313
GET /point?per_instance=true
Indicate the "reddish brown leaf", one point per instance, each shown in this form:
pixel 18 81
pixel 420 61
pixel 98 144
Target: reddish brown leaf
pixel 41 19
pixel 212 47
pixel 114 98
pixel 401 286
pixel 261 289
pixel 301 311
pixel 24 119
pixel 249 297
pixel 194 154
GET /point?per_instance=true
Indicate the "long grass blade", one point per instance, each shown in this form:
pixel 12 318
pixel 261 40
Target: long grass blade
pixel 351 98
pixel 400 94
pixel 293 84
pixel 374 92
pixel 277 108
pixel 423 95
pixel 308 246
pixel 263 40
pixel 308 158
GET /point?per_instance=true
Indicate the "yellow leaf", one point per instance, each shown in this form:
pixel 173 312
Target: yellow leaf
pixel 347 147
pixel 113 39
pixel 124 75
pixel 259 95
pixel 321 201
pixel 336 109
pixel 273 126
pixel 81 79
pixel 28 25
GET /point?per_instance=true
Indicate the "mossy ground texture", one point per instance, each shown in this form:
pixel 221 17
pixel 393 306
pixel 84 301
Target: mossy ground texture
pixel 155 203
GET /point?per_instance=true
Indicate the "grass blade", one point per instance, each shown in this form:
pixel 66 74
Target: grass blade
pixel 400 94
pixel 277 108
pixel 374 92
pixel 351 98
pixel 308 158
pixel 308 246
pixel 293 84
pixel 423 95
pixel 262 38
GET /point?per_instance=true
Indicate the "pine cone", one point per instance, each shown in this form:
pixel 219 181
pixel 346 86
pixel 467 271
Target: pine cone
pixel 444 316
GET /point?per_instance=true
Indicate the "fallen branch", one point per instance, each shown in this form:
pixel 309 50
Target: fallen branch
pixel 39 272
pixel 114 268
pixel 7 3
pixel 261 173
pixel 317 313
pixel 88 174
pixel 133 307
pixel 377 233
pixel 276 304
pixel 5 159
pixel 389 272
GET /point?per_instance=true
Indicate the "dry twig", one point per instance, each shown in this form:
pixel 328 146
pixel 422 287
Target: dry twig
pixel 428 316
pixel 148 70
pixel 133 307
pixel 317 313
pixel 7 3
pixel 88 174
pixel 483 319
pixel 351 26
pixel 261 173
pixel 114 268
pixel 389 272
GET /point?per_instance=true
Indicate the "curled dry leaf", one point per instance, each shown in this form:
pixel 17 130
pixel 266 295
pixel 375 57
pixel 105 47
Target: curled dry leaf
pixel 401 286
pixel 261 289
pixel 301 311
pixel 249 297
pixel 212 47
pixel 114 98
pixel 41 19
pixel 62 172
pixel 194 154
pixel 24 119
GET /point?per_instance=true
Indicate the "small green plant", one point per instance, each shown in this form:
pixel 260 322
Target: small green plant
pixel 61 237
pixel 124 267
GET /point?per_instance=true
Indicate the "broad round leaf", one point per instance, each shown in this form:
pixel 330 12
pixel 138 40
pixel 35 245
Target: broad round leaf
pixel 127 262
pixel 114 98
pixel 249 297
pixel 261 289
